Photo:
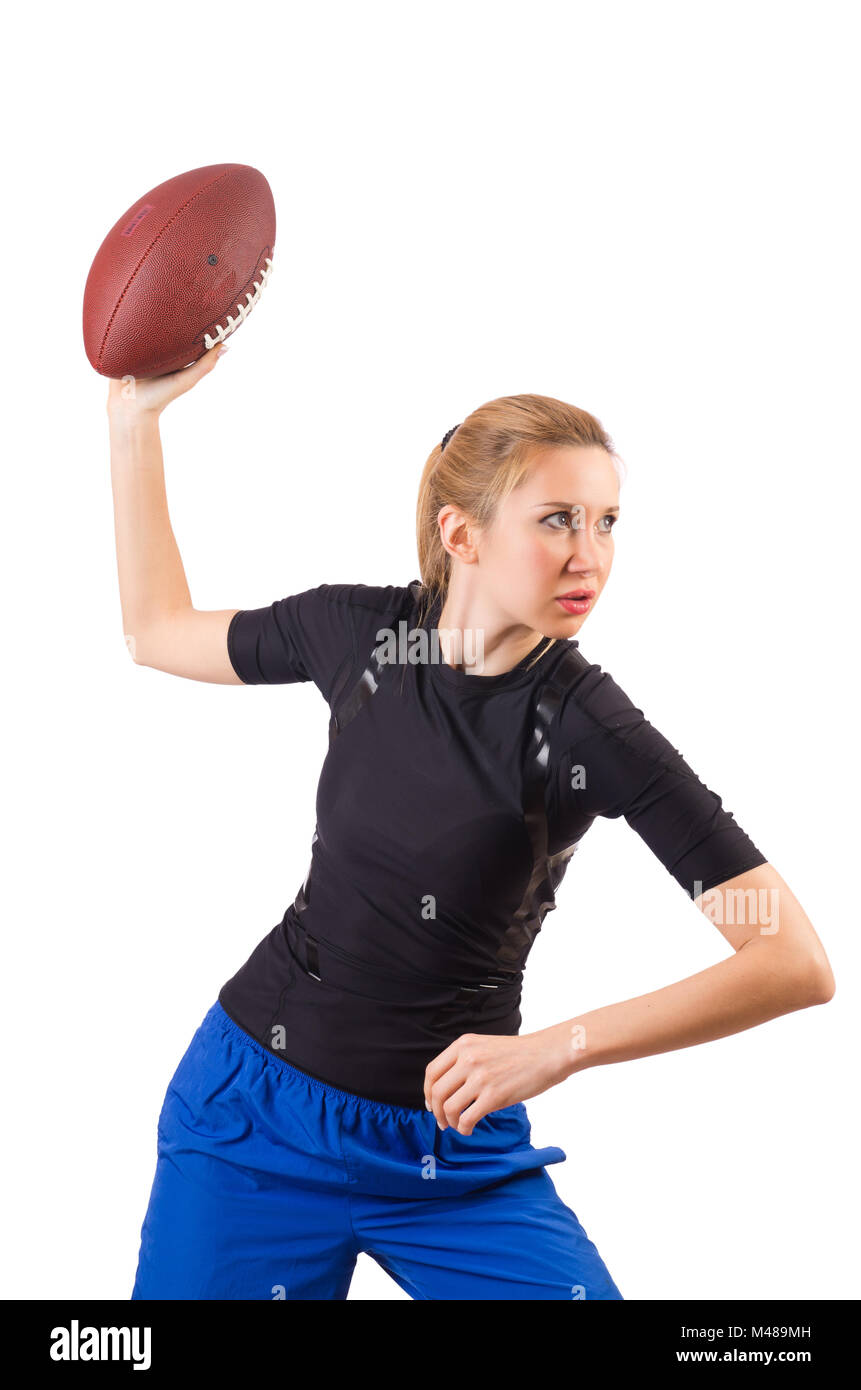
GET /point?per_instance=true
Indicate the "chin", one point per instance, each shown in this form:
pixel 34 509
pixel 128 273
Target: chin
pixel 574 626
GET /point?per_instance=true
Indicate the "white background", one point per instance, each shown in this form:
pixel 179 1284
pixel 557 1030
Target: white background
pixel 646 210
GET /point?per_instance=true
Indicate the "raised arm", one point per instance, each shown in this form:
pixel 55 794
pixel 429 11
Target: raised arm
pixel 161 627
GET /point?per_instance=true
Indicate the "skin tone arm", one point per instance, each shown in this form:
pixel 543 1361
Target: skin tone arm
pixel 778 965
pixel 161 627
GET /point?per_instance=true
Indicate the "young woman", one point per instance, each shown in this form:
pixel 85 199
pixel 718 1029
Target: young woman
pixel 359 1084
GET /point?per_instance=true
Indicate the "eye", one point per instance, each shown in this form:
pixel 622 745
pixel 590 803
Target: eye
pixel 610 517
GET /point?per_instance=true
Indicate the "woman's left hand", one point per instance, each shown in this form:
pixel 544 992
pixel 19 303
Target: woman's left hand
pixel 481 1072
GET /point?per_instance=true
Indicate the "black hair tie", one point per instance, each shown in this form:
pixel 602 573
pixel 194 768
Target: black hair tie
pixel 447 437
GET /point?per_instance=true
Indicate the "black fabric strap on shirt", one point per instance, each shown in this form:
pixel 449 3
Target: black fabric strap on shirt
pixel 547 870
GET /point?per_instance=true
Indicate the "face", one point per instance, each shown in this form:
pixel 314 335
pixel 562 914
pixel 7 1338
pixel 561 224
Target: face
pixel 553 535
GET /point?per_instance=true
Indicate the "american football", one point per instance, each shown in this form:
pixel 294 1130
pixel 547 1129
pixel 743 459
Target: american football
pixel 179 271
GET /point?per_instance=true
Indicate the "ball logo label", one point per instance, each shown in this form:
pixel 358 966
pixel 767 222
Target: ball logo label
pixel 137 219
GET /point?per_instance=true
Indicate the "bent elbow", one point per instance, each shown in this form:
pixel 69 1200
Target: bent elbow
pixel 816 982
pixel 132 647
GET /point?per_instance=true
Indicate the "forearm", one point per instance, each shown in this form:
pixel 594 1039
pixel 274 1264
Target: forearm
pixel 755 984
pixel 151 576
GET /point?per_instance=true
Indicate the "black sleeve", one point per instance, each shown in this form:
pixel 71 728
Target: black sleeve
pixel 311 636
pixel 629 769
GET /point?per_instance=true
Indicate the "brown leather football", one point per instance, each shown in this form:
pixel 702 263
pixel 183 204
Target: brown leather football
pixel 180 271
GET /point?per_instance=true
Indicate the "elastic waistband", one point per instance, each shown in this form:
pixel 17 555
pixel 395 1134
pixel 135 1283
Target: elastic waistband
pixel 218 1017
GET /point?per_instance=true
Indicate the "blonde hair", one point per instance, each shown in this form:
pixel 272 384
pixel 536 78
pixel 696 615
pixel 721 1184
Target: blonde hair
pixel 485 459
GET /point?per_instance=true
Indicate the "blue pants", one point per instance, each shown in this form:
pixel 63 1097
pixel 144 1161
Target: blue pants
pixel 269 1183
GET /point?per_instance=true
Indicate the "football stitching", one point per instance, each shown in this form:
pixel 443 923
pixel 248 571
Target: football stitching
pixel 243 310
pixel 167 224
pixel 203 334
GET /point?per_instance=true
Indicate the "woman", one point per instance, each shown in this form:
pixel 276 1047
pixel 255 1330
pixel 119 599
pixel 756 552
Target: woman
pixel 359 1084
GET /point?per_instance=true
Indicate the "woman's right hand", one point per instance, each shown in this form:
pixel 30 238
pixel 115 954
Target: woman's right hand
pixel 149 395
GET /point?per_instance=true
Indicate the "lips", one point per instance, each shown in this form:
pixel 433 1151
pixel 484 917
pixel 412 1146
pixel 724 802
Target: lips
pixel 579 594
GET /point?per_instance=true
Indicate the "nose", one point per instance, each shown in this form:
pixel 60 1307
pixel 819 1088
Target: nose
pixel 586 558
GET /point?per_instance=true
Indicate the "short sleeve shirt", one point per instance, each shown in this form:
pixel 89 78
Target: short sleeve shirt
pixel 428 879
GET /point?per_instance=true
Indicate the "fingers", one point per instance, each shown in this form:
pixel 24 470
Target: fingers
pixel 203 364
pixel 190 376
pixel 462 1109
pixel 449 1089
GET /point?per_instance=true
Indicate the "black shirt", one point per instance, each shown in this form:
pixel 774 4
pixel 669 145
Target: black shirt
pixel 448 807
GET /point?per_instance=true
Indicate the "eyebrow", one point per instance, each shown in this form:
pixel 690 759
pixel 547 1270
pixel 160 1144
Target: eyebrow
pixel 569 506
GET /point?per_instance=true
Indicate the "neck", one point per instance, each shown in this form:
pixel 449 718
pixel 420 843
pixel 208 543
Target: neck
pixel 474 635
